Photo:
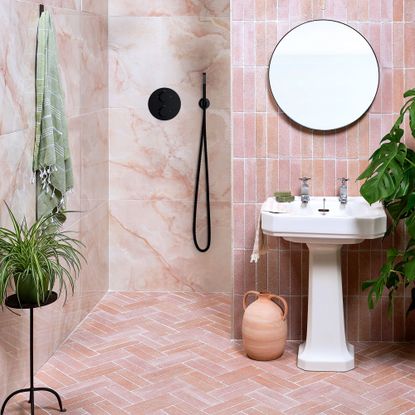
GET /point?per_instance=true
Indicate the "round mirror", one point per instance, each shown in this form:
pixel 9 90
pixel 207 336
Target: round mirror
pixel 324 74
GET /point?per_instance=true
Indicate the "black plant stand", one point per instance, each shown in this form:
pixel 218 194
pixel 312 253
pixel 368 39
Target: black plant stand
pixel 13 302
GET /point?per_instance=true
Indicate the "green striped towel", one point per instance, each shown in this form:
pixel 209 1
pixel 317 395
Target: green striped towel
pixel 52 165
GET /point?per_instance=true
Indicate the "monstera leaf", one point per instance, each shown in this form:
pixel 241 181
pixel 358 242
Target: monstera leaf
pixel 384 173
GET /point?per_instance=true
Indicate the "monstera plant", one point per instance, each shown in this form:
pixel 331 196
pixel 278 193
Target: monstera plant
pixel 390 179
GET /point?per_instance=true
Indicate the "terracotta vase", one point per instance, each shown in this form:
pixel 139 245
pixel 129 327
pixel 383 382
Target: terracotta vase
pixel 264 326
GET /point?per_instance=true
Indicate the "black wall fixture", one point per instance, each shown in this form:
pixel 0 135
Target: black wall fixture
pixel 164 104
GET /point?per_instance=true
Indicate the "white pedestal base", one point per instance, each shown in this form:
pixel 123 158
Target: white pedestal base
pixel 325 348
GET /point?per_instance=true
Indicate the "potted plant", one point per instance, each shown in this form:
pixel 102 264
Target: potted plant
pixel 33 259
pixel 390 179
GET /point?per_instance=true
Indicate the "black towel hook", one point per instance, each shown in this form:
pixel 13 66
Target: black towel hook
pixel 41 9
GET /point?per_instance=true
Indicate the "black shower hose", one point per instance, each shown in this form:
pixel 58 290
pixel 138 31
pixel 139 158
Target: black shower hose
pixel 204 104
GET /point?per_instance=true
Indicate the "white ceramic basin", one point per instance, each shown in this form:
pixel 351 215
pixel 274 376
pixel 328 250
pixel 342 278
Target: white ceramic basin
pixel 325 348
pixel 357 220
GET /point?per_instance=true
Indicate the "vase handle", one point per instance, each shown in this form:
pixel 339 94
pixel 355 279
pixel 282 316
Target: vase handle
pixel 284 302
pixel 246 297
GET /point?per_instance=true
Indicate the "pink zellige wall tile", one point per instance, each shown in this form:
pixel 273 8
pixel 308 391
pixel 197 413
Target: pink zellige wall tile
pixel 409 55
pixel 249 43
pixel 238 181
pixel 238 134
pixel 260 135
pixel 260 10
pixel 249 89
pixel 237 10
pixel 249 134
pixel 237 43
pixel 398 45
pixel 275 151
pixel 238 88
pixel 260 44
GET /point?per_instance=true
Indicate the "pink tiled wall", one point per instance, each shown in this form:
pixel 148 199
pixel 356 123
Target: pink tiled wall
pixel 270 152
pixel 81 29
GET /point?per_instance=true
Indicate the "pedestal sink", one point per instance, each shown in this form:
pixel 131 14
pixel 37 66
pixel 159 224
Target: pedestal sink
pixel 324 232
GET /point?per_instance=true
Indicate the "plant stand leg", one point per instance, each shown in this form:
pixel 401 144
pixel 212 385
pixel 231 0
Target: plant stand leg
pixel 32 388
pixel 32 375
pixel 11 396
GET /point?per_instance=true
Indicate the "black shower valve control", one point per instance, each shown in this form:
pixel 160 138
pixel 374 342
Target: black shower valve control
pixel 164 104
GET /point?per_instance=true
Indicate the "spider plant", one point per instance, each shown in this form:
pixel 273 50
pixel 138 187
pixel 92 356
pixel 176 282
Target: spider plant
pixel 33 259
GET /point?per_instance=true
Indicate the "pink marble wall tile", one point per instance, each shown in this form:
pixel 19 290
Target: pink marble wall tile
pixel 171 262
pixel 200 45
pixel 70 45
pixel 94 159
pixel 95 6
pixel 162 157
pixel 18 192
pixel 94 63
pixel 153 163
pixel 17 52
pixel 155 8
pixel 62 4
pixel 17 65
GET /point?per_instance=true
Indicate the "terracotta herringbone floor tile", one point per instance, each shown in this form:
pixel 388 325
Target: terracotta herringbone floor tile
pixel 170 354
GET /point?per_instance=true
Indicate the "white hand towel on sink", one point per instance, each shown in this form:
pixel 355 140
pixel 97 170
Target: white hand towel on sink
pixel 260 244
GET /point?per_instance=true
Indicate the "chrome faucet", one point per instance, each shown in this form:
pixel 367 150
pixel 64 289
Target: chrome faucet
pixel 305 190
pixel 343 190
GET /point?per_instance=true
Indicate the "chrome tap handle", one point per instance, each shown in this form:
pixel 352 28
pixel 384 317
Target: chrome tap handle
pixel 343 190
pixel 304 192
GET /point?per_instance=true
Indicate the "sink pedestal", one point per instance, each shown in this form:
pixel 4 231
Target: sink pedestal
pixel 325 348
